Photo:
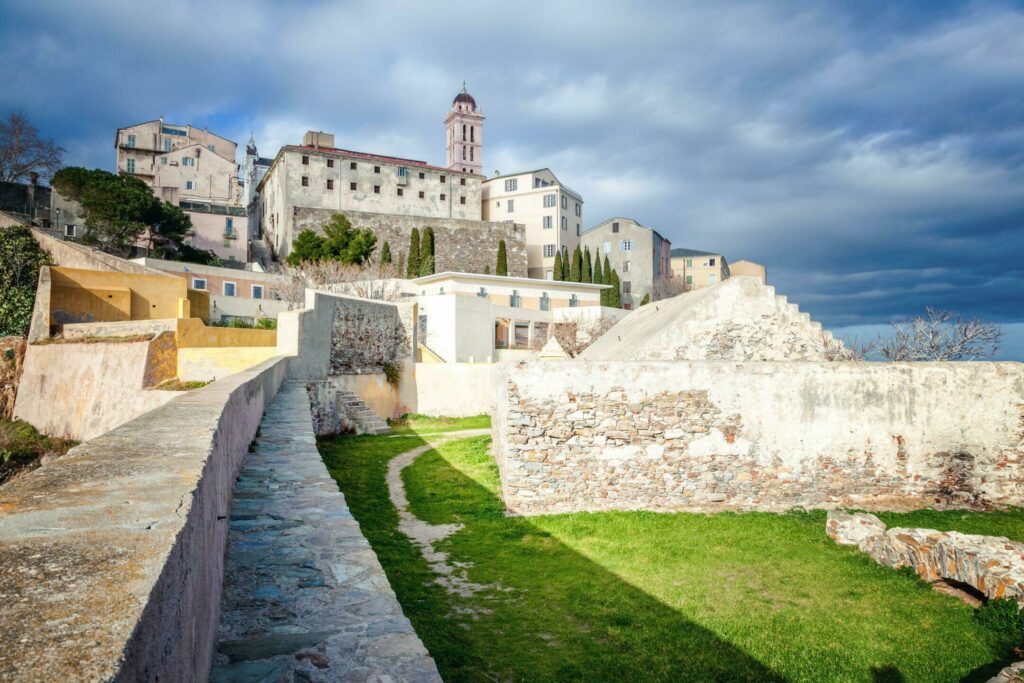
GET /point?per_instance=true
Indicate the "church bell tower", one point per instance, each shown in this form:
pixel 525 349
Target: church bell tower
pixel 464 127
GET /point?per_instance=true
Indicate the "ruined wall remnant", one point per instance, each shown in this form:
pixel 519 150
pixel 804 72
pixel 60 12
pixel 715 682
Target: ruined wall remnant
pixel 12 360
pixel 572 436
pixel 366 336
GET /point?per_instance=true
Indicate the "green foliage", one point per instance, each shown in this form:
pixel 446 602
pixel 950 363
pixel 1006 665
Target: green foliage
pixel 615 293
pixel 588 266
pixel 576 266
pixel 21 446
pixel 427 246
pixel 241 323
pixel 646 300
pixel 598 278
pixel 502 267
pixel 385 253
pixel 393 374
pixel 487 269
pixel 1003 617
pixel 20 261
pixel 566 264
pixel 413 264
pixel 557 270
pixel 427 265
pixel 340 242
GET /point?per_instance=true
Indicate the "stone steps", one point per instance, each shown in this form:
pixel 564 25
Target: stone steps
pixel 365 419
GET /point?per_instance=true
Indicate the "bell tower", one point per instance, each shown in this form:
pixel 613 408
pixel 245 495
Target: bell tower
pixel 464 128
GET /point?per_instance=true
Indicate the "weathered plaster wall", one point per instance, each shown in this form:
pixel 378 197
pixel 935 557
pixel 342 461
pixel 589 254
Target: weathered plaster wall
pixel 124 328
pixel 81 390
pixel 205 363
pixel 111 558
pixel 716 435
pixel 451 389
pixel 374 390
pixel 459 245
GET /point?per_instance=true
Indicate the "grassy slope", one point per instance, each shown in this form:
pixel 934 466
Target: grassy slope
pixel 656 596
pixel 21 446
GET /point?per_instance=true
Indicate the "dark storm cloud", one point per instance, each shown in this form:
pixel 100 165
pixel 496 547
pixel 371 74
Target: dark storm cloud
pixel 870 153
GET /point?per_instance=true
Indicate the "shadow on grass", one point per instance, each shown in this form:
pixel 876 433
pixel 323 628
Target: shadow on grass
pixel 565 618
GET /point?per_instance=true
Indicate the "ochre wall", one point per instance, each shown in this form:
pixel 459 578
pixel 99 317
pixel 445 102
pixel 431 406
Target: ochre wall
pixel 192 333
pixel 207 363
pixel 85 295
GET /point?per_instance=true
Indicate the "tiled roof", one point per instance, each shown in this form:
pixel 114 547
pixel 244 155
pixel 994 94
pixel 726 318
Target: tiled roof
pixel 380 157
pixel 693 252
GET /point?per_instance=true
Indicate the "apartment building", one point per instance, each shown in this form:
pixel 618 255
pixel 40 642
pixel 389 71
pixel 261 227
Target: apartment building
pixel 318 177
pixel 640 255
pixel 196 170
pixel 699 268
pixel 551 212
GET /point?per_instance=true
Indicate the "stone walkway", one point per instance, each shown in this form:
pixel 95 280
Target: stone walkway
pixel 305 598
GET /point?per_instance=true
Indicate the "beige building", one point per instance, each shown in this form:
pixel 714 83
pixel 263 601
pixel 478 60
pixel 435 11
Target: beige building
pixel 699 268
pixel 745 268
pixel 551 212
pixel 316 175
pixel 640 255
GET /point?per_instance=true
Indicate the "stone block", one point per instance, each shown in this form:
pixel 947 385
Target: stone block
pixel 852 529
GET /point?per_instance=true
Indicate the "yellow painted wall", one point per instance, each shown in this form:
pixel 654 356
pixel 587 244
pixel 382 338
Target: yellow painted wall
pixel 71 304
pixel 200 304
pixel 151 297
pixel 203 364
pixel 192 333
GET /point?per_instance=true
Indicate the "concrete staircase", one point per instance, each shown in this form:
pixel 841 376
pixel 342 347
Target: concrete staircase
pixel 359 416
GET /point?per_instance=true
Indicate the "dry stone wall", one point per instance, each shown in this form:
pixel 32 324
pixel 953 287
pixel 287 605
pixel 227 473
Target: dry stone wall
pixel 573 436
pixel 459 245
pixel 367 335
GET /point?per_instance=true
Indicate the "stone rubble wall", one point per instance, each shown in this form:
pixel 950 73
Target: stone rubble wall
pixel 992 565
pixel 579 436
pixel 737 320
pixel 459 245
pixel 12 361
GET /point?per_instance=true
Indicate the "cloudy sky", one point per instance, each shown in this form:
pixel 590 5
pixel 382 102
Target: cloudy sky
pixel 870 153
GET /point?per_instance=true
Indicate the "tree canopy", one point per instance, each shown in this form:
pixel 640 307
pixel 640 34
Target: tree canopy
pixel 340 242
pixel 24 151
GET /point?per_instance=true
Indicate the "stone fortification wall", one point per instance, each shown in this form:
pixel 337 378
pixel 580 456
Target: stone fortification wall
pixel 739 320
pixel 572 436
pixel 79 390
pixel 459 245
pixel 111 558
pixel 73 255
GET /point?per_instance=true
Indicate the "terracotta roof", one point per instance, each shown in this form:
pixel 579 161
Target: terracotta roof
pixel 382 157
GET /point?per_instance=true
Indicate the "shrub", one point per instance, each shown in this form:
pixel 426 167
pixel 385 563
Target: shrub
pixel 393 374
pixel 1004 618
pixel 20 261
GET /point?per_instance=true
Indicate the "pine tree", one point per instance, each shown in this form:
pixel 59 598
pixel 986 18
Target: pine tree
pixel 588 266
pixel 598 278
pixel 385 253
pixel 557 271
pixel 615 295
pixel 427 252
pixel 413 264
pixel 502 268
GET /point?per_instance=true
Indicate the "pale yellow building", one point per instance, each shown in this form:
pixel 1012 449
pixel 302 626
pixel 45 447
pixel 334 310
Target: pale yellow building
pixel 745 268
pixel 699 268
pixel 551 212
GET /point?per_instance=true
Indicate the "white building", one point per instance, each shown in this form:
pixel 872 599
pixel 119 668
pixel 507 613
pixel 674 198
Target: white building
pixel 551 212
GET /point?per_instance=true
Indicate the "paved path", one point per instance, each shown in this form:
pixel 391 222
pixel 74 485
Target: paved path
pixel 305 597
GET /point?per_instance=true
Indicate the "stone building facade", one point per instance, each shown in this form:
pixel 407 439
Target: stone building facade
pixel 640 255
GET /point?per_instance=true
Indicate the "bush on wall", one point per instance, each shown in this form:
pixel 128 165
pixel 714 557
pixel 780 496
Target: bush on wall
pixel 20 261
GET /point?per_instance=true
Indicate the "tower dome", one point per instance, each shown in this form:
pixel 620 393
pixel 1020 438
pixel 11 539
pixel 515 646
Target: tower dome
pixel 464 98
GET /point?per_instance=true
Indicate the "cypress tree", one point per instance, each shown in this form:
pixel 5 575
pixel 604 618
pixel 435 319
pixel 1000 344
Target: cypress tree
pixel 413 264
pixel 576 268
pixel 588 266
pixel 598 278
pixel 385 253
pixel 606 279
pixel 557 273
pixel 607 272
pixel 566 264
pixel 614 294
pixel 427 252
pixel 502 268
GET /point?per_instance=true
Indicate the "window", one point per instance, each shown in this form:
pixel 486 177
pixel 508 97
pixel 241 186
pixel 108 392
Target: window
pixel 463 154
pixel 442 196
pixel 229 227
pixel 565 202
pixel 565 223
pixel 626 287
pixel 463 132
pixel 422 176
pixel 711 261
pixel 352 186
pixel 689 279
pixel 163 161
pixel 545 302
pixel 167 145
pixel 511 184
pixel 131 141
pixel 549 200
pixel 579 209
pixel 444 179
pixel 689 263
pixel 574 301
pixel 615 226
pixel 422 326
pixel 189 185
pixel 521 334
pixel 422 194
pixel 482 293
pixel 549 250
pixel 229 289
pixel 352 166
pixel 462 181
pixel 471 133
pixel 400 194
pixel 70 230
pixel 376 169
pixel 211 148
pixel 330 163
pixel 330 184
pixel 607 247
pixel 376 189
pixel 199 283
pixel 188 161
pixel 625 266
pixel 257 291
pixel 626 245
pixel 511 205
pixel 711 278
pixel 515 301
pixel 305 181
pixel 471 154
pixel 402 171
pixel 462 200
pixel 577 229
pixel 131 165
pixel 305 160
pixel 548 222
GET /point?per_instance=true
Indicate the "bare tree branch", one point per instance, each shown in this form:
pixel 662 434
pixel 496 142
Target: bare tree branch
pixel 371 280
pixel 941 335
pixel 23 151
pixel 576 336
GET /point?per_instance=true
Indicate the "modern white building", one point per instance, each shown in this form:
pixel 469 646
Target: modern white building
pixel 551 212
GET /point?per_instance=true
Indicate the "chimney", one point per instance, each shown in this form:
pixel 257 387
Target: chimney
pixel 318 139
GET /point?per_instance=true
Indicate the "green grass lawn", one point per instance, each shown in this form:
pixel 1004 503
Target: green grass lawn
pixel 646 596
pixel 413 423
